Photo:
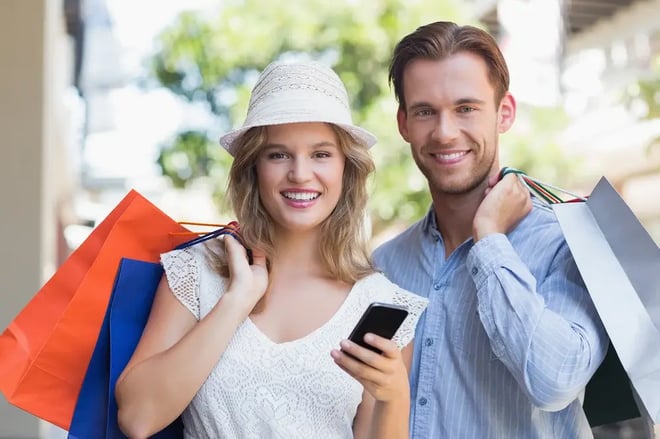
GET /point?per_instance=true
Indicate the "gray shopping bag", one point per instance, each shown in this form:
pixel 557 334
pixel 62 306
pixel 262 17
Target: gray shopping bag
pixel 620 265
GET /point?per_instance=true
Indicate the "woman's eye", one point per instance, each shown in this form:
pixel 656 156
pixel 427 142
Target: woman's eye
pixel 276 155
pixel 321 154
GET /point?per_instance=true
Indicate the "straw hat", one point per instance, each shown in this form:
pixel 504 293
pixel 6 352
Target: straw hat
pixel 305 91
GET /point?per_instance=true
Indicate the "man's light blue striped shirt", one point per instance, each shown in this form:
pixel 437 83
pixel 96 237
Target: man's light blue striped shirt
pixel 509 339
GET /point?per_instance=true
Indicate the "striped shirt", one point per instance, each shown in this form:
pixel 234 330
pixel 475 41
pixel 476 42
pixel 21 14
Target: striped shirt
pixel 510 336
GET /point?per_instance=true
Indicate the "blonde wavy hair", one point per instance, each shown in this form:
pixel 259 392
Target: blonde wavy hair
pixel 344 248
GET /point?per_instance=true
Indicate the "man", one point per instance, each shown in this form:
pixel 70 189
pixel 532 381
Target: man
pixel 510 337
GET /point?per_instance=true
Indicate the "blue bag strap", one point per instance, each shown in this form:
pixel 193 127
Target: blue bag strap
pixel 225 230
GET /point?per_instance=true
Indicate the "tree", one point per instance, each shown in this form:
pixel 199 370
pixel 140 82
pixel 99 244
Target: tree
pixel 643 98
pixel 214 60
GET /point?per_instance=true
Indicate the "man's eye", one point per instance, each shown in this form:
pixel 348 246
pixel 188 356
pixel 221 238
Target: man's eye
pixel 466 109
pixel 423 113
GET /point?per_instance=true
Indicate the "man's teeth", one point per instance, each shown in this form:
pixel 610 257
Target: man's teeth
pixel 301 196
pixel 452 156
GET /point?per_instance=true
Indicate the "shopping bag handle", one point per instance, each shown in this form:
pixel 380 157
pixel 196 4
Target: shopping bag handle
pixel 194 223
pixel 225 229
pixel 542 190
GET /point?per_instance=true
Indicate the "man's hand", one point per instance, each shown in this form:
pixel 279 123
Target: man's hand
pixel 506 203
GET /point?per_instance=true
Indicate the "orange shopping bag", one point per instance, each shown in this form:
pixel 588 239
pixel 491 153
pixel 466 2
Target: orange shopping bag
pixel 45 350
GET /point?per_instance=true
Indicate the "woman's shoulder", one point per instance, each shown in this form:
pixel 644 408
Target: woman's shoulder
pixel 193 278
pixel 377 287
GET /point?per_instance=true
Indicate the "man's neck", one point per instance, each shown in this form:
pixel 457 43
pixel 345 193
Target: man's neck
pixel 454 215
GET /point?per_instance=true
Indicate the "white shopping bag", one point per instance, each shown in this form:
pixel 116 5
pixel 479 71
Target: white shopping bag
pixel 620 265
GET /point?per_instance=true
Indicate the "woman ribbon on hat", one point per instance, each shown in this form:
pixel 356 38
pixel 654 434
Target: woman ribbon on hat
pixel 253 350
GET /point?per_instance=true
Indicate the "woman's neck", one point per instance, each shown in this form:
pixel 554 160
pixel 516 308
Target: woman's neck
pixel 297 253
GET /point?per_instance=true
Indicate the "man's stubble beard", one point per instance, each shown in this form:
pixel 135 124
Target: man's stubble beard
pixel 479 176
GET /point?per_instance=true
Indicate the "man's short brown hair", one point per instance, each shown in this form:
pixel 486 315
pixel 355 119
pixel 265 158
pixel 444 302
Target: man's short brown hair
pixel 439 40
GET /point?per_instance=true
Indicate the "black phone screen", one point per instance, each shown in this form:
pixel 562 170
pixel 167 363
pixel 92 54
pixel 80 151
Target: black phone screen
pixel 382 319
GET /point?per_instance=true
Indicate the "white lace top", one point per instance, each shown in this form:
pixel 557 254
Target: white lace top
pixel 267 390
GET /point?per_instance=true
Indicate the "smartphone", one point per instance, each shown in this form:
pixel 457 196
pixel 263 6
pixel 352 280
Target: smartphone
pixel 382 319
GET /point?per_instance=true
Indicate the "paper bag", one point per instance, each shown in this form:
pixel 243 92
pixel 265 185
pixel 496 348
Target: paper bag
pixel 45 350
pixel 620 265
pixel 126 316
pixel 96 410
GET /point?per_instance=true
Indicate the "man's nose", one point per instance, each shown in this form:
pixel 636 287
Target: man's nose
pixel 446 130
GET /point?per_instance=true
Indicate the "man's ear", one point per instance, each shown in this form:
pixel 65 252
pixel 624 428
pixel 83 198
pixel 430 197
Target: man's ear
pixel 401 120
pixel 506 113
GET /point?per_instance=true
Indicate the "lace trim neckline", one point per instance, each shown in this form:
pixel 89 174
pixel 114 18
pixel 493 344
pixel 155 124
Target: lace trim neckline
pixel 311 335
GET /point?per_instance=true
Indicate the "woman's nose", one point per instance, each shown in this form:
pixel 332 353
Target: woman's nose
pixel 300 170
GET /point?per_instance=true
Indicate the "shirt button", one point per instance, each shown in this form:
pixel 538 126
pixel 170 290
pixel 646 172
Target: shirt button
pixel 428 342
pixel 422 401
pixel 475 270
pixel 436 287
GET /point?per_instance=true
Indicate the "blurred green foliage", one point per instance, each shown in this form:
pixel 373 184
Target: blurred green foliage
pixel 533 145
pixel 213 61
pixel 643 97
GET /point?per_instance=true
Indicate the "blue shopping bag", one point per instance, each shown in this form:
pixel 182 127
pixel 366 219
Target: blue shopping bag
pixel 96 409
pixel 95 415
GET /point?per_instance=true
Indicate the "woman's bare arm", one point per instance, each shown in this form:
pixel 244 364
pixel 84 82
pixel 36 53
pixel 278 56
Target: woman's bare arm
pixel 385 408
pixel 173 358
pixel 176 353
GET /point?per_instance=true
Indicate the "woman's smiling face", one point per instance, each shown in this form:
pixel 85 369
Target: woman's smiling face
pixel 300 171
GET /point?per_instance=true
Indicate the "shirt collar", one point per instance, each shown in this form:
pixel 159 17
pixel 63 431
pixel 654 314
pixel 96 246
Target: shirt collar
pixel 430 226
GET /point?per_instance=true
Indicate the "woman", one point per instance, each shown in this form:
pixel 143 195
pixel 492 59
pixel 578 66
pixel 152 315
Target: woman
pixel 251 350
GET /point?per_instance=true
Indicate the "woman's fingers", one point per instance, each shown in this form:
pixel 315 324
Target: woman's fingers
pixel 236 252
pixel 258 257
pixel 233 247
pixel 358 369
pixel 384 375
pixel 386 346
pixel 364 363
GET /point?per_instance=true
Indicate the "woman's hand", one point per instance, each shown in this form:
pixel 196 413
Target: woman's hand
pixel 247 283
pixel 384 375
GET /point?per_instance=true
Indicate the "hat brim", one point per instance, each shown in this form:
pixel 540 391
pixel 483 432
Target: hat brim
pixel 360 135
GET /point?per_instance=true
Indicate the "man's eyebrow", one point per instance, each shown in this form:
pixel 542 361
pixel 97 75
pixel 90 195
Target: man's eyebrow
pixel 418 105
pixel 463 101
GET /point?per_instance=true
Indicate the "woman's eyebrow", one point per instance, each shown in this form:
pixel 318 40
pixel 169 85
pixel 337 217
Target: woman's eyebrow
pixel 321 144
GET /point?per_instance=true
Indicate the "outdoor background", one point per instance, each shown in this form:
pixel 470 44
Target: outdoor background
pixel 98 97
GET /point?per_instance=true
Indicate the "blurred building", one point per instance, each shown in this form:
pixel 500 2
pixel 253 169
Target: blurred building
pixel 67 93
pixel 40 113
pixel 587 55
